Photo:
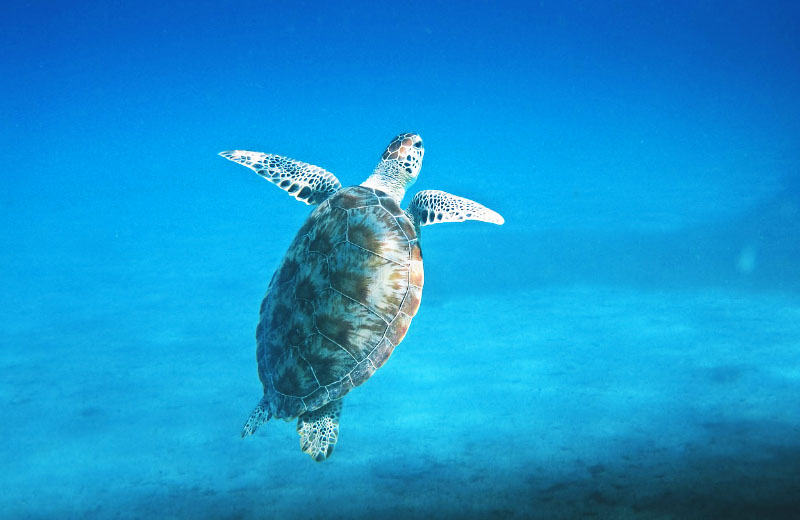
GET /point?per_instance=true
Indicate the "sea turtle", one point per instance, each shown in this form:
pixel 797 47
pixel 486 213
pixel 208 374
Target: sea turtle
pixel 345 293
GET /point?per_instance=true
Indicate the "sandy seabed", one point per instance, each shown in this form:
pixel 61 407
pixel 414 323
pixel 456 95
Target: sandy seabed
pixel 564 402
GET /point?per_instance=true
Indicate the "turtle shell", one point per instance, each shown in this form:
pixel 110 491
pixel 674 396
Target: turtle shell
pixel 340 301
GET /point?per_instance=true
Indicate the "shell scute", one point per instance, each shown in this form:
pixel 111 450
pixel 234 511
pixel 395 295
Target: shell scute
pixel 374 281
pixel 287 271
pixel 398 328
pixel 406 225
pixel 296 377
pixel 301 325
pixel 348 323
pixel 338 389
pixel 317 398
pixel 390 205
pixel 411 302
pixel 328 232
pixel 417 275
pixel 362 372
pixel 381 353
pixel 376 230
pixel 313 278
pixel 330 361
pixel 353 199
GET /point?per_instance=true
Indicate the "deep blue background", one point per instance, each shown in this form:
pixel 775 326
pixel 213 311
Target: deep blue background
pixel 647 116
pixel 645 145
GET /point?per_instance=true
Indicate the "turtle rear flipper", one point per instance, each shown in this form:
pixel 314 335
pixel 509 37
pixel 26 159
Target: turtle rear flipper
pixel 319 430
pixel 258 416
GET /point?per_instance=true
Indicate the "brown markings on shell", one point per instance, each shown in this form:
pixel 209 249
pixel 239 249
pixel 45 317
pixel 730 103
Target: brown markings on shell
pixel 412 300
pixel 280 313
pixel 364 235
pixel 361 372
pixel 298 248
pixel 270 394
pixel 328 232
pixel 317 399
pixel 352 198
pixel 348 323
pixel 417 276
pixel 296 379
pixel 371 280
pixel 261 328
pixel 340 389
pixel 390 205
pixel 264 360
pixel 333 325
pixel 416 252
pixel 330 362
pixel 288 318
pixel 313 278
pixel 276 402
pixel 266 298
pixel 381 353
pixel 287 270
pixel 301 324
pixel 375 230
pixel 348 274
pixel 289 407
pixel 311 220
pixel 398 328
pixel 407 226
pixel 270 346
pixel 278 307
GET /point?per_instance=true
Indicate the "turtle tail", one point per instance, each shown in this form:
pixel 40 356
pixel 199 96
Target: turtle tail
pixel 258 416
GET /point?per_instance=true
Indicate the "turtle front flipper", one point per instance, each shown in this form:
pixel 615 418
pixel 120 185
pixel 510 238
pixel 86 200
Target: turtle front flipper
pixel 319 430
pixel 305 182
pixel 434 206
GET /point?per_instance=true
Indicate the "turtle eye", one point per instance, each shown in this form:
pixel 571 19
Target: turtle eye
pixel 418 144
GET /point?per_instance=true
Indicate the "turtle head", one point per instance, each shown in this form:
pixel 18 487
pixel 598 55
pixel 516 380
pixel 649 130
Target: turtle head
pixel 399 167
pixel 407 150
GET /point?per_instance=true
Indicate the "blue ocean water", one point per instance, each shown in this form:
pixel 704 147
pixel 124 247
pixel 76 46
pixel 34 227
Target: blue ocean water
pixel 627 345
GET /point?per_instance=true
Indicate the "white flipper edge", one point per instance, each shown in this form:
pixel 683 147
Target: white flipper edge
pixel 305 182
pixel 434 206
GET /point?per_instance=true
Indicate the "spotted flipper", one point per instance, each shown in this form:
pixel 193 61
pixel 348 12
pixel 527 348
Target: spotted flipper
pixel 258 416
pixel 434 206
pixel 305 182
pixel 319 430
